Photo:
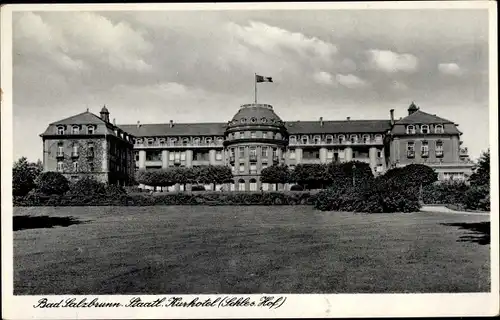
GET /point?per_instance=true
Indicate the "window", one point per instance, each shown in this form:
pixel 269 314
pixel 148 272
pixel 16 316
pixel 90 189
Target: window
pixel 354 138
pixel 410 129
pixel 264 135
pixel 264 165
pixel 171 156
pixel 196 141
pixel 243 120
pixel 378 138
pixel 231 152
pixel 161 141
pixel 241 185
pixel 263 120
pixel 220 141
pixel 90 129
pixel 292 153
pixel 208 140
pixel 292 167
pixel 75 166
pixel 151 141
pixel 293 140
pixel 253 134
pixel 242 152
pixel 317 140
pixel 410 149
pixel 136 156
pixel 253 120
pixel 439 128
pixel 60 130
pixel 425 149
pixel 183 156
pixel 329 154
pixel 242 135
pixel 91 167
pixel 424 129
pixel 253 168
pixel 275 153
pixel 172 141
pixel 380 154
pixel 329 139
pixel 60 147
pixel 341 138
pixel 242 167
pixel 271 135
pixel 253 153
pixel 60 166
pixel 305 139
pixel 366 138
pixel 218 155
pixel 265 152
pixel 185 141
pixel 439 149
pixel 75 129
pixel 75 150
pixel 380 168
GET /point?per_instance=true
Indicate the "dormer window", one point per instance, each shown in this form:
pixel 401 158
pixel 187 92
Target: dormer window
pixel 90 129
pixel 196 141
pixel 329 139
pixel 253 120
pixel 60 130
pixel 208 140
pixel 161 141
pixel 366 138
pixel 172 140
pixel 293 140
pixel 151 141
pixel 185 141
pixel 243 120
pixel 378 137
pixel 305 139
pixel 439 128
pixel 354 138
pixel 75 129
pixel 317 139
pixel 341 138
pixel 410 129
pixel 220 140
pixel 424 129
pixel 263 120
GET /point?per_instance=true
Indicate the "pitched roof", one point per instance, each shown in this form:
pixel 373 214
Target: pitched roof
pixel 81 118
pixel 422 117
pixel 344 126
pixel 178 129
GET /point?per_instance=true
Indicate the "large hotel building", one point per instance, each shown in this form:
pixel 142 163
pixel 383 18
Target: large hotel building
pixel 255 138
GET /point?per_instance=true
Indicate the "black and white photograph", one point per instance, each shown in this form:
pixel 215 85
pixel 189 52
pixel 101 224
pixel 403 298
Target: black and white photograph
pixel 248 156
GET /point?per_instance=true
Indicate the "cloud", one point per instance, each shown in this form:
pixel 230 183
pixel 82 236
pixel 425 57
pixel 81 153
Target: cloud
pixel 323 77
pixel 400 86
pixel 66 40
pixel 271 39
pixel 450 68
pixel 391 62
pixel 350 81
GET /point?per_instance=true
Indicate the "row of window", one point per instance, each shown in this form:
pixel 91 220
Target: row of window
pixel 329 139
pixel 424 129
pixel 253 135
pixel 75 149
pixel 424 149
pixel 253 152
pixel 261 120
pixel 60 166
pixel 90 129
pixel 175 156
pixel 175 141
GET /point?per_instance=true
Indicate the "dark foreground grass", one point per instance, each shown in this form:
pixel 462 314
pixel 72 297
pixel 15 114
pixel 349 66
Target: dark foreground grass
pixel 204 249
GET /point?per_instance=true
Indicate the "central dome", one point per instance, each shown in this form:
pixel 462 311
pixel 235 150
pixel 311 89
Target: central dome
pixel 256 114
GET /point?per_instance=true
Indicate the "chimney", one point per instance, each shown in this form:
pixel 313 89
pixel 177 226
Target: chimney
pixel 171 123
pixel 321 121
pixel 348 118
pixel 138 124
pixel 87 109
pixel 392 117
pixel 114 121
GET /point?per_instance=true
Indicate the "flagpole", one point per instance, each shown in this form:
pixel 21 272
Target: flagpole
pixel 255 83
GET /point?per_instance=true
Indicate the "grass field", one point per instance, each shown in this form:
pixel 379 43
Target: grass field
pixel 198 249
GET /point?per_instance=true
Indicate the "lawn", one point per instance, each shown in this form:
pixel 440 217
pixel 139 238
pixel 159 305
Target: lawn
pixel 285 249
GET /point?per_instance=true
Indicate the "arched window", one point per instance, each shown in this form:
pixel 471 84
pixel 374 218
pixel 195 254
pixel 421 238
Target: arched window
pixel 353 138
pixel 439 128
pixel 196 141
pixel 439 149
pixel 341 138
pixel 293 140
pixel 410 129
pixel 253 185
pixel 378 138
pixel 317 139
pixel 366 138
pixel 278 136
pixel 305 139
pixel 243 120
pixel 329 139
pixel 253 120
pixel 60 130
pixel 220 140
pixel 75 129
pixel 60 148
pixel 172 141
pixel 185 141
pixel 241 185
pixel 90 129
pixel 263 120
pixel 424 129
pixel 208 140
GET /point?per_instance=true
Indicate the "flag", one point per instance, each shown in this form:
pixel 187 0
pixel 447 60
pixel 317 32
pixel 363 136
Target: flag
pixel 263 79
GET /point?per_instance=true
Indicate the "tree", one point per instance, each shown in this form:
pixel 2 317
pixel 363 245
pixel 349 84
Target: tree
pixel 413 174
pixel 310 175
pixel 352 172
pixel 24 175
pixel 275 174
pixel 481 175
pixel 52 183
pixel 214 174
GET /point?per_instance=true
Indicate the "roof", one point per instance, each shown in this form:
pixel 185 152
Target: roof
pixel 178 129
pixel 81 118
pixel 257 111
pixel 422 117
pixel 343 126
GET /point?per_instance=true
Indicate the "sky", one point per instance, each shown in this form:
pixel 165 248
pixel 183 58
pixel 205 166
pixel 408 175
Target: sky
pixel 198 66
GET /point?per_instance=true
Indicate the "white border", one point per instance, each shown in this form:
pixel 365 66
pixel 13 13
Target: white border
pixel 314 305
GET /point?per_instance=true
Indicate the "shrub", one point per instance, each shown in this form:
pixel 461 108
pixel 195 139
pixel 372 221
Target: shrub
pixel 87 187
pixel 412 174
pixel 52 183
pixel 24 175
pixel 198 187
pixel 477 198
pixel 445 193
pixel 296 187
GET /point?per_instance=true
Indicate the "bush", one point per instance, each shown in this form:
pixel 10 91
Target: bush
pixel 412 174
pixel 24 175
pixel 198 187
pixel 296 187
pixel 50 183
pixel 445 193
pixel 477 198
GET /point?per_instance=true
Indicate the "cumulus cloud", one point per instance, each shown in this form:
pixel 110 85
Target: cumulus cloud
pixel 67 40
pixel 398 85
pixel 350 81
pixel 270 38
pixel 323 77
pixel 450 68
pixel 389 61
